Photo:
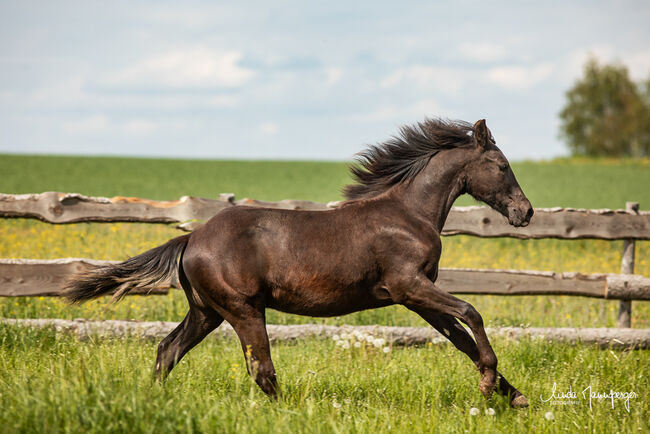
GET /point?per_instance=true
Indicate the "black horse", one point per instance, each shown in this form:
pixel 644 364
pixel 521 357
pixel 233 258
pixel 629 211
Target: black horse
pixel 380 247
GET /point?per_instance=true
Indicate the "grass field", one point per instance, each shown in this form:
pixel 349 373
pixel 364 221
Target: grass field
pixel 53 383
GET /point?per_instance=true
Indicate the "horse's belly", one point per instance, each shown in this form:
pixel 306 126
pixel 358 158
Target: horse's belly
pixel 323 302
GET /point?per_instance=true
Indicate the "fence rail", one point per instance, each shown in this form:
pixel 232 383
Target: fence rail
pixel 32 277
pixel 564 223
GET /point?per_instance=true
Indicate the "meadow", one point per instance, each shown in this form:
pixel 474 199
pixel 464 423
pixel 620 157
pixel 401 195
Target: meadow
pixel 53 382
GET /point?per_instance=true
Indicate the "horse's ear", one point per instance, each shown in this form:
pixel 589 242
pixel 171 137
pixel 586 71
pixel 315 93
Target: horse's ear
pixel 481 134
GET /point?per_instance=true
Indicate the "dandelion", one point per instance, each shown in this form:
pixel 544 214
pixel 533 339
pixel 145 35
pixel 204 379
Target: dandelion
pixel 345 345
pixel 370 339
pixel 489 411
pixel 357 344
pixel 549 415
pixel 386 350
pixel 474 411
pixel 336 404
pixel 336 338
pixel 379 342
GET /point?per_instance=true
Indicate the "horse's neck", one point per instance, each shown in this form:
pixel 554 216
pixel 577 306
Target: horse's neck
pixel 431 194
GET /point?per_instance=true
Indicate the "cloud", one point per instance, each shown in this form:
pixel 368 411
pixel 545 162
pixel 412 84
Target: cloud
pixel 191 68
pixel 637 62
pixel 268 129
pixel 443 79
pixel 417 110
pixel 333 75
pixel 139 127
pixel 483 51
pixel 86 125
pixel 519 77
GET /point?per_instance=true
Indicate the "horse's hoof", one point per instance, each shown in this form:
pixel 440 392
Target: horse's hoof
pixel 519 401
pixel 488 384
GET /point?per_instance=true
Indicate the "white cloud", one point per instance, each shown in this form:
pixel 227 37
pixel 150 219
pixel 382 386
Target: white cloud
pixel 637 62
pixel 519 77
pixel 408 113
pixel 86 125
pixel 483 51
pixel 196 67
pixel 333 75
pixel 139 127
pixel 268 129
pixel 443 79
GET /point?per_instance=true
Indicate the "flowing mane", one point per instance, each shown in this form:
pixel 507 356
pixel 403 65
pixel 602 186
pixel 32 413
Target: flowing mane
pixel 402 157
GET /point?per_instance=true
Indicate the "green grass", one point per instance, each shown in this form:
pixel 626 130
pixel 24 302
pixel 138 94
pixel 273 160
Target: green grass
pixel 578 183
pixel 51 382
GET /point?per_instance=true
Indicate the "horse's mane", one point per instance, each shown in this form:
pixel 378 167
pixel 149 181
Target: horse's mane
pixel 402 157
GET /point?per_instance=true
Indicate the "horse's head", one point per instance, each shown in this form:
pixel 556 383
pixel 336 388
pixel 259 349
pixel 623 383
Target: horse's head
pixel 489 178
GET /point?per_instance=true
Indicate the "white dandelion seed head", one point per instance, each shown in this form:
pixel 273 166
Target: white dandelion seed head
pixel 345 345
pixel 336 337
pixel 357 344
pixel 474 411
pixel 336 404
pixel 549 415
pixel 386 350
pixel 370 339
pixel 489 411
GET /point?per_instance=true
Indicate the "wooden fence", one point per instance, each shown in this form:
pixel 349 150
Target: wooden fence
pixel 25 277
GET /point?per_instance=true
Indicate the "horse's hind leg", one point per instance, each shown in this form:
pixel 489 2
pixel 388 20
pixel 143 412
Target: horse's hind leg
pixel 196 326
pixel 251 330
pixel 450 328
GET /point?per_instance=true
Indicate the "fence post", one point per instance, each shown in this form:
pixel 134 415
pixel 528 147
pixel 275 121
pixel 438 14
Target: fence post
pixel 627 267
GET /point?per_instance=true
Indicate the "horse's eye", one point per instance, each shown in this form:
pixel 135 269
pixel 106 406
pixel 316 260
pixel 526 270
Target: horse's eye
pixel 503 167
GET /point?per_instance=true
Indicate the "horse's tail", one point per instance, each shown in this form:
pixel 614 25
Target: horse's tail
pixel 151 268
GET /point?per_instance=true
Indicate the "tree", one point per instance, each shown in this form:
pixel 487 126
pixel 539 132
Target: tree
pixel 607 114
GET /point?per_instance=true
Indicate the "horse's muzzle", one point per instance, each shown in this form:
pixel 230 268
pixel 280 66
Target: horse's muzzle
pixel 519 215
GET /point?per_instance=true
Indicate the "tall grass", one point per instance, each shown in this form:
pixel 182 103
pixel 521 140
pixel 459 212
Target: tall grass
pixel 50 382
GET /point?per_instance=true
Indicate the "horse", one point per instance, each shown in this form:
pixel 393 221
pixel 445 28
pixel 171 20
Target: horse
pixel 380 247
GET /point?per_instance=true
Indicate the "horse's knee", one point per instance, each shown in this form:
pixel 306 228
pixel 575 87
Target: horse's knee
pixel 470 315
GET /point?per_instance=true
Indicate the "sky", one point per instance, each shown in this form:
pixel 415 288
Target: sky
pixel 296 80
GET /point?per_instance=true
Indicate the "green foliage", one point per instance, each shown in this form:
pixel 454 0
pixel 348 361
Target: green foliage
pixel 607 114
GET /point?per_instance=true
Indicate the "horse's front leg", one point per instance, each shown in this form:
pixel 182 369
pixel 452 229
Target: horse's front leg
pixel 420 295
pixel 449 327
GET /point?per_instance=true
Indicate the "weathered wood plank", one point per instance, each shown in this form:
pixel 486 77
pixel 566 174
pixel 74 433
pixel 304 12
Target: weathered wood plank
pixel 395 336
pixel 35 277
pixel 565 223
pixel 520 282
pixel 28 277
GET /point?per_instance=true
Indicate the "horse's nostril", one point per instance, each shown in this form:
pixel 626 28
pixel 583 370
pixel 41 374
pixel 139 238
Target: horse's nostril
pixel 529 214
